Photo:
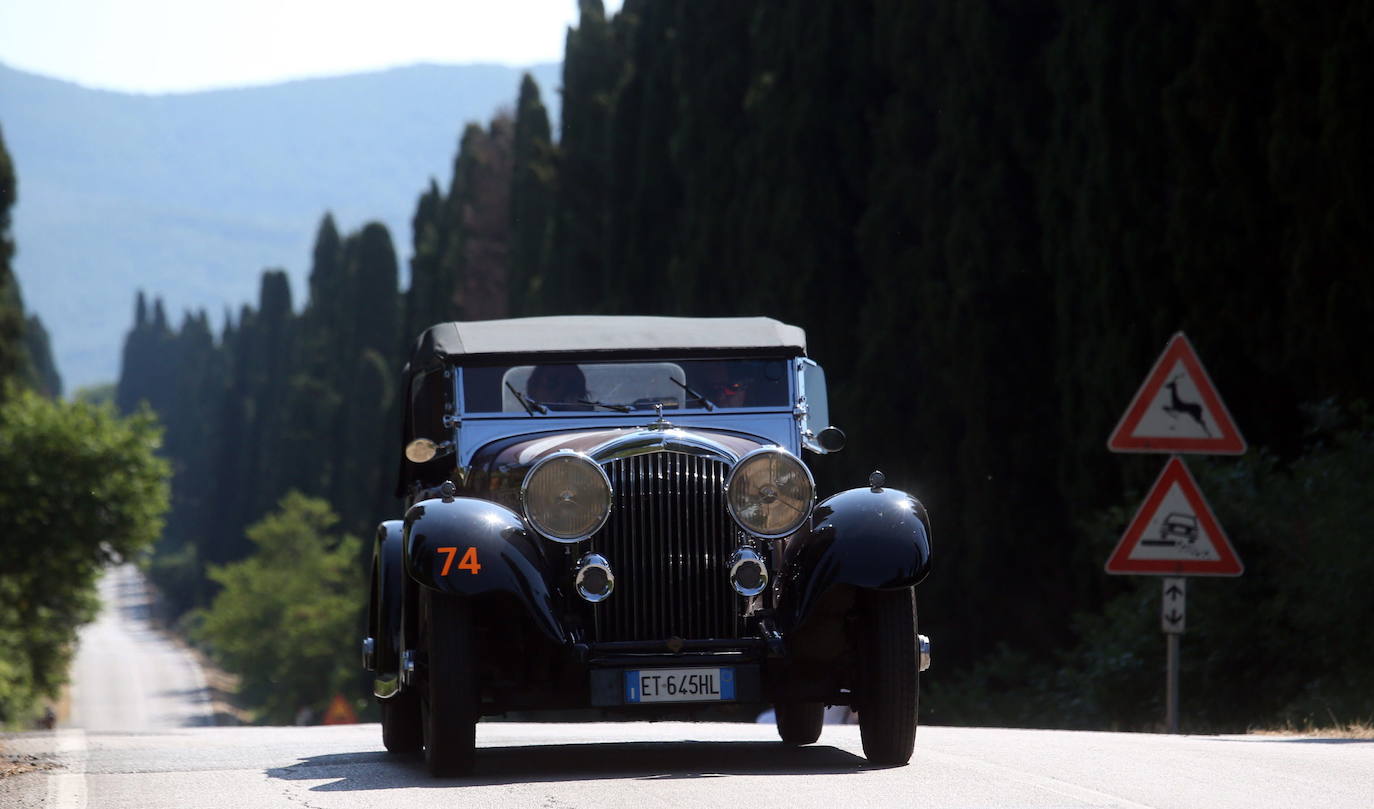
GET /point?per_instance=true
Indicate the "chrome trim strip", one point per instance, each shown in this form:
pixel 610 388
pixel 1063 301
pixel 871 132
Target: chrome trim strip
pixel 671 440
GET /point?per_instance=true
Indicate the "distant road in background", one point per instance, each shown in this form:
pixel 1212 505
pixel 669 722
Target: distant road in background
pixel 127 676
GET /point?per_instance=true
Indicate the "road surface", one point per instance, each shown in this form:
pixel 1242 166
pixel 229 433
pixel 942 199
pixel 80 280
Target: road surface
pixel 127 676
pixel 141 748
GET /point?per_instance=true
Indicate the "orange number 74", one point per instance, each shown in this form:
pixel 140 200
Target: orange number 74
pixel 468 562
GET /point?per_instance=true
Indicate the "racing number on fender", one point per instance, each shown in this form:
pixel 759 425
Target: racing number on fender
pixel 468 562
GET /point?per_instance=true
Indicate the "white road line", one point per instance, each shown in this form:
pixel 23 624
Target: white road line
pixel 67 790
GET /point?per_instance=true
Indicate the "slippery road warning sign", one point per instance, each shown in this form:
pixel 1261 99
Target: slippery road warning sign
pixel 1177 409
pixel 1175 533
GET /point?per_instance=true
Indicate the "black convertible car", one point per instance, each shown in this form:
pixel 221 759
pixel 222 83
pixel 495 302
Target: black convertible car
pixel 613 513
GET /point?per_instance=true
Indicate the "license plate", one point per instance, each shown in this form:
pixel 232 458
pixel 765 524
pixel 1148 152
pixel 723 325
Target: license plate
pixel 679 685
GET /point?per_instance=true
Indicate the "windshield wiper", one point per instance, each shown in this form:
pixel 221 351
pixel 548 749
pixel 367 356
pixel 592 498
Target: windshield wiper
pixel 710 405
pixel 529 405
pixel 619 408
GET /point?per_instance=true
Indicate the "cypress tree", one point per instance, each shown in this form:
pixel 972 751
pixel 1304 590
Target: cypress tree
pixel 644 193
pixel 592 63
pixel 14 360
pixel 46 378
pixel 531 199
pixel 477 254
pixel 429 296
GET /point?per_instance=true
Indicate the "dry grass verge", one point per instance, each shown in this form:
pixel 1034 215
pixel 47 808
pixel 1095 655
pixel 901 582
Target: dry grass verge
pixel 1348 730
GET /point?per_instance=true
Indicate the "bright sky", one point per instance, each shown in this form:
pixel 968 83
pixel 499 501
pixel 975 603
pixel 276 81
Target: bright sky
pixel 154 46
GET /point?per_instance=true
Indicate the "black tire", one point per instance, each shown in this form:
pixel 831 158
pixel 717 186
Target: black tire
pixel 401 730
pixel 799 722
pixel 889 681
pixel 448 695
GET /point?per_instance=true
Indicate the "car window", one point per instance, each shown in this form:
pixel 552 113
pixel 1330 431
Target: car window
pixel 611 387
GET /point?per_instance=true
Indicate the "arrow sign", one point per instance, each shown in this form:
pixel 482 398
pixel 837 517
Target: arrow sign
pixel 1175 533
pixel 1174 606
pixel 1177 409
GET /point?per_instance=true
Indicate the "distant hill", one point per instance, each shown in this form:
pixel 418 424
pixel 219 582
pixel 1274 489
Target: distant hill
pixel 190 196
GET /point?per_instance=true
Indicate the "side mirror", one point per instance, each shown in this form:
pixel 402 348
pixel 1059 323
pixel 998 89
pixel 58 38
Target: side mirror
pixel 831 439
pixel 813 410
pixel 423 450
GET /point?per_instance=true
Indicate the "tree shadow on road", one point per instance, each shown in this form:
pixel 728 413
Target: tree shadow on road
pixel 576 762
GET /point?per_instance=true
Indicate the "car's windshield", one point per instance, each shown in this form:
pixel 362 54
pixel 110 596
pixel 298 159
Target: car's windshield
pixel 625 387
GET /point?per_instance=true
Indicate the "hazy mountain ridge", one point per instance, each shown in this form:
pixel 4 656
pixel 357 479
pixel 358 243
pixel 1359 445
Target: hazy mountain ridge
pixel 189 196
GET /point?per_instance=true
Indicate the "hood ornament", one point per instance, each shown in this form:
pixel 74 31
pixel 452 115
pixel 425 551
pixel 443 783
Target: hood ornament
pixel 660 423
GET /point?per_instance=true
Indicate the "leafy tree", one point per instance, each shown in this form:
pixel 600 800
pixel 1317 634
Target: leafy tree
pixel 82 488
pixel 287 614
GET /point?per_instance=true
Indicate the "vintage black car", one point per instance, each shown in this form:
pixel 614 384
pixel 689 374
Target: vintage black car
pixel 612 513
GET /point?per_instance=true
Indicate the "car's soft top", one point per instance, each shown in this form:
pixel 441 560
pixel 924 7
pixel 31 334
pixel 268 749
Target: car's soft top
pixel 606 336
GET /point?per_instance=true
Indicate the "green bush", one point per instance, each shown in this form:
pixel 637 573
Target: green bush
pixel 286 618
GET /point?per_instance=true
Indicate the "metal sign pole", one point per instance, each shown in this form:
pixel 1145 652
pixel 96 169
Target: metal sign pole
pixel 1173 612
pixel 1171 684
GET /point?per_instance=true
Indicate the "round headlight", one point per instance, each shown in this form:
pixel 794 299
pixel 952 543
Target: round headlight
pixel 769 493
pixel 567 496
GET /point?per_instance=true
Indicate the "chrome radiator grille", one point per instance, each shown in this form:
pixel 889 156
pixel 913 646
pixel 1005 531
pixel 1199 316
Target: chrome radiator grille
pixel 668 540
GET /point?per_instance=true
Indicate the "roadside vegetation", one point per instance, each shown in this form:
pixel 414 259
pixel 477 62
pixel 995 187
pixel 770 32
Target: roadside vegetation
pixel 81 487
pixel 1286 646
pixel 283 614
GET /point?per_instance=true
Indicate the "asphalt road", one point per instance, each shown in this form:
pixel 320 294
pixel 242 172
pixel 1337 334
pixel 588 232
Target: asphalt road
pixel 129 677
pixel 160 758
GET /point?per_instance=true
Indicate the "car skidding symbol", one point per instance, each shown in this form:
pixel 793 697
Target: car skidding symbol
pixel 1179 530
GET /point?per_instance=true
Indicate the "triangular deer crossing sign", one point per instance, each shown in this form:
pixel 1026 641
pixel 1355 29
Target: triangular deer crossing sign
pixel 1175 533
pixel 1177 409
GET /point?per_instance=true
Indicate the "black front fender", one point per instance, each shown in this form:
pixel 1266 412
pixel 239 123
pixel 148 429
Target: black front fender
pixel 469 547
pixel 864 538
pixel 384 605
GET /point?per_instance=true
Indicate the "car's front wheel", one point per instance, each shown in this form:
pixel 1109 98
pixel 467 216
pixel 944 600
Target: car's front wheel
pixel 889 675
pixel 401 732
pixel 449 695
pixel 799 722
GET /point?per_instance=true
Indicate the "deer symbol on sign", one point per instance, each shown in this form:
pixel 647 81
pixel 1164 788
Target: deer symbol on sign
pixel 1177 406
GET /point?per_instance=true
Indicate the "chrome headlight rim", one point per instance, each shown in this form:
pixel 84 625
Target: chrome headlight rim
pixel 556 456
pixel 741 463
